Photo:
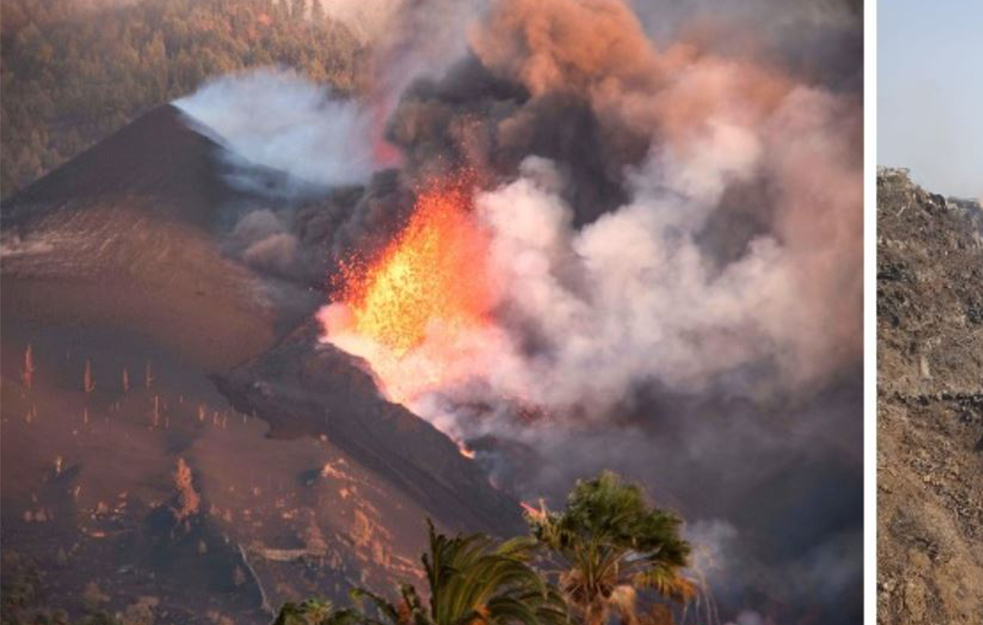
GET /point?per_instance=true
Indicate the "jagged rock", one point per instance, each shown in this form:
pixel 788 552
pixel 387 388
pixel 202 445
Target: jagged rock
pixel 930 406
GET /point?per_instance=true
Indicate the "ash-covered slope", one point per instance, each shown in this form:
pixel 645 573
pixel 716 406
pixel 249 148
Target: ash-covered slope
pixel 128 481
pixel 302 387
pixel 930 407
pixel 121 236
pixel 156 160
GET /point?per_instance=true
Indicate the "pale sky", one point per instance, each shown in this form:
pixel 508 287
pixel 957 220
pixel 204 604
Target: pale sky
pixel 930 92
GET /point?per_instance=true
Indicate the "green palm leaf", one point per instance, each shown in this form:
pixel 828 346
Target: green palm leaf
pixel 609 538
pixel 472 580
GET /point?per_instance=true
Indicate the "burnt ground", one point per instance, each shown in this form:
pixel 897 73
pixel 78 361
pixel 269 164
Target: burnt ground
pixel 304 388
pixel 110 271
pixel 930 406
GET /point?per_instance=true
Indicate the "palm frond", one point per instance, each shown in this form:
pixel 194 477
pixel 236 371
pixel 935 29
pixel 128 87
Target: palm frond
pixel 475 580
pixel 607 538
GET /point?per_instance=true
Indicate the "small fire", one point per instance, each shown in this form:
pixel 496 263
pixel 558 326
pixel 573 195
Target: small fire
pixel 413 311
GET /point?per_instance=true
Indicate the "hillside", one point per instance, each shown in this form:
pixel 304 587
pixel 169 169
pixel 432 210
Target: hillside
pixel 930 406
pixel 130 484
pixel 129 221
pixel 72 73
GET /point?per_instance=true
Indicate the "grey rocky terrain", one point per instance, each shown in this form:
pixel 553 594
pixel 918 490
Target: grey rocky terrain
pixel 930 406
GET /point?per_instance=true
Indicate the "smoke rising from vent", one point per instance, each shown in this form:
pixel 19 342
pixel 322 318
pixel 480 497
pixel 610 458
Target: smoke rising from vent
pixel 278 119
pixel 661 287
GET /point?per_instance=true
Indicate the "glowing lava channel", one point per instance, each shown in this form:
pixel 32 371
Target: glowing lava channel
pixel 419 311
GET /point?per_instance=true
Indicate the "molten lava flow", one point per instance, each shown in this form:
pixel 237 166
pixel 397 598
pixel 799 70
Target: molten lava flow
pixel 414 311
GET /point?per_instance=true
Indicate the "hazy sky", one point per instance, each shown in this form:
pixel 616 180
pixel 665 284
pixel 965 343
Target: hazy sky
pixel 930 92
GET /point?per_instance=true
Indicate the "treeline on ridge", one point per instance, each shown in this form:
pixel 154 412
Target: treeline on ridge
pixel 71 74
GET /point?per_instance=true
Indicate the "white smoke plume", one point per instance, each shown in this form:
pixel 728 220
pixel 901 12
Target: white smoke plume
pixel 672 288
pixel 637 297
pixel 278 119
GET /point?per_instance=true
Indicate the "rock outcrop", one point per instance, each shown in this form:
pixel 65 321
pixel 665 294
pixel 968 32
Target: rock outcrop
pixel 930 406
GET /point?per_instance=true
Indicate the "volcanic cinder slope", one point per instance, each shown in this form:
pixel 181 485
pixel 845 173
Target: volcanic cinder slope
pixel 128 480
pixel 930 406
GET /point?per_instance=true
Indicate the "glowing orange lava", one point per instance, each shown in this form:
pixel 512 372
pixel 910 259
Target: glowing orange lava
pixel 434 272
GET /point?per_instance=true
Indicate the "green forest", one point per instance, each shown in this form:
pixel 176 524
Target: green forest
pixel 72 74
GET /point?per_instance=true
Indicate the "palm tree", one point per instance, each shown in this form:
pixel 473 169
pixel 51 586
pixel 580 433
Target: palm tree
pixel 607 544
pixel 314 612
pixel 472 582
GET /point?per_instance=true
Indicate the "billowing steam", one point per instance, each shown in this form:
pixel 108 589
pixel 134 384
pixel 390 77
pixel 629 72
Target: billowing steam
pixel 285 122
pixel 599 251
pixel 669 286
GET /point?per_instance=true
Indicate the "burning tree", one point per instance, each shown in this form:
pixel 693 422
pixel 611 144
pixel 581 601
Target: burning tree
pixel 607 545
pixel 27 372
pixel 188 499
pixel 87 382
